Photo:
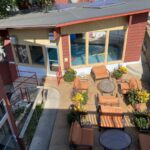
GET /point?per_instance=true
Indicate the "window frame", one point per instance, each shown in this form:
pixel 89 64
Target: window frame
pixel 30 56
pixel 106 47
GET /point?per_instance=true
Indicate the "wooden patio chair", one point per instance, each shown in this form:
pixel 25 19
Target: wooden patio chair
pixel 81 84
pixel 100 72
pixel 144 140
pixel 110 117
pixel 81 138
pixel 108 100
pixel 126 86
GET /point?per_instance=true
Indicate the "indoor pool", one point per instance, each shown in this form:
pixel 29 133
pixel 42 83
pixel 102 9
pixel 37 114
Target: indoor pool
pixel 96 54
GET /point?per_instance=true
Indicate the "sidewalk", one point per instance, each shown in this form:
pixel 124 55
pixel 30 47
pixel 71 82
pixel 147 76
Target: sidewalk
pixel 140 69
pixel 45 126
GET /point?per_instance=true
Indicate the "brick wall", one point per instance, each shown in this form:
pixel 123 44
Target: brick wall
pixel 66 52
pixel 136 32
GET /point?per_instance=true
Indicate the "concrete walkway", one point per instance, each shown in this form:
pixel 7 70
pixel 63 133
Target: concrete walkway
pixel 140 69
pixel 45 126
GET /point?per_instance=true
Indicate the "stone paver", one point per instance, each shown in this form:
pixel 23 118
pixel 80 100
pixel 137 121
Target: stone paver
pixel 46 123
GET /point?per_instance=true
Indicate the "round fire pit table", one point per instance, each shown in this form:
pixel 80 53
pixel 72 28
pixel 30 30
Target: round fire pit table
pixel 115 139
pixel 106 85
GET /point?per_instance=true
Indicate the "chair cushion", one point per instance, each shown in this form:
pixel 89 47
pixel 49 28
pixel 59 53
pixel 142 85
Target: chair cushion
pixel 124 86
pixel 77 83
pixel 144 141
pixel 107 99
pixel 84 85
pixel 133 83
pixel 76 133
pixel 110 121
pixel 111 110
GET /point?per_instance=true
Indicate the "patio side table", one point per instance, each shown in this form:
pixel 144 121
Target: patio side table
pixel 115 139
pixel 106 86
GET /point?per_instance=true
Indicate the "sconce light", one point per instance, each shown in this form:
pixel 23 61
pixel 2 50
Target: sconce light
pixel 13 39
pixel 51 36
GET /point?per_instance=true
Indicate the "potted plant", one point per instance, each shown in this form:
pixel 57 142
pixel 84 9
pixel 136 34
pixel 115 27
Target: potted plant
pixel 138 99
pixel 141 121
pixel 117 74
pixel 123 69
pixel 70 75
pixel 132 97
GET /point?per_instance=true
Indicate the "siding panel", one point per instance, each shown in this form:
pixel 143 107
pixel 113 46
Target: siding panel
pixel 135 38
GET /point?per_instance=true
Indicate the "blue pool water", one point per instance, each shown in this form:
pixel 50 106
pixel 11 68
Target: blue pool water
pixel 96 54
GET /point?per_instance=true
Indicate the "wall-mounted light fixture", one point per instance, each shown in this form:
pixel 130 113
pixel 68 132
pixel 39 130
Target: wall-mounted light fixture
pixel 13 39
pixel 51 36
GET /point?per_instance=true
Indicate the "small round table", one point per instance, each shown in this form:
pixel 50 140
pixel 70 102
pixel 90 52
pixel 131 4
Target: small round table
pixel 114 139
pixel 106 86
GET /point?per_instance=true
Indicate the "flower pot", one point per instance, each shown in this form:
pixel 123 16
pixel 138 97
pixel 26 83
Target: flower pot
pixel 140 107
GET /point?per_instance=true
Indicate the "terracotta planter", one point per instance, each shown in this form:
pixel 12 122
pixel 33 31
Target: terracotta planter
pixel 140 107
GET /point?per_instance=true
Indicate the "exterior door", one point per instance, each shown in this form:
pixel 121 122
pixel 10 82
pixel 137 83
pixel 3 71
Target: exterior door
pixel 53 61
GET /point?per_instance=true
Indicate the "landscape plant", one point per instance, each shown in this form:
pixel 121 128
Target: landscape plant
pixel 117 74
pixel 78 108
pixel 141 120
pixel 138 96
pixel 69 75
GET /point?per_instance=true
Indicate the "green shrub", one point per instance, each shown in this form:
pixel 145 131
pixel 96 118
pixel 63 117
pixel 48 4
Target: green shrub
pixel 85 98
pixel 73 116
pixel 132 97
pixel 117 74
pixel 69 75
pixel 141 121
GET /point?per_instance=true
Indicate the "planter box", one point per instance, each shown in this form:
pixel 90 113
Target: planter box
pixel 140 107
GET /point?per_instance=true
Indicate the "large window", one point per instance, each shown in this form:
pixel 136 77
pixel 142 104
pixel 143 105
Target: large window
pixel 2 110
pixel 36 55
pixel 77 49
pixel 96 46
pixel 21 54
pixel 102 46
pixel 116 42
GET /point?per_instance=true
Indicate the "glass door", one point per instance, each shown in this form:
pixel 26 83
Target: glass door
pixel 53 61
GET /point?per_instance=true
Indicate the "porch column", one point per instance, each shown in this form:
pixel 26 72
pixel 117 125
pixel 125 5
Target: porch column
pixel 66 51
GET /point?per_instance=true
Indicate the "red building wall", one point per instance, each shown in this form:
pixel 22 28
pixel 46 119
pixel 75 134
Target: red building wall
pixel 66 51
pixel 8 70
pixel 136 32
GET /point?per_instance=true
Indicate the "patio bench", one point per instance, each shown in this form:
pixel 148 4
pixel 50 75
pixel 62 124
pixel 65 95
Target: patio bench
pixel 144 141
pixel 108 100
pixel 81 138
pixel 100 72
pixel 110 117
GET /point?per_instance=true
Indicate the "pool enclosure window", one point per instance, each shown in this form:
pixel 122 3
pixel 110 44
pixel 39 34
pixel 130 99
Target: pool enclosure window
pixel 116 43
pixel 2 110
pixel 36 53
pixel 21 54
pixel 77 42
pixel 96 46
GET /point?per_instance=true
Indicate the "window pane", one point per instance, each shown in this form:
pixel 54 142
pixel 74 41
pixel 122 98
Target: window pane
pixel 77 49
pixel 116 42
pixel 36 55
pixel 21 53
pixel 96 46
pixel 2 110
